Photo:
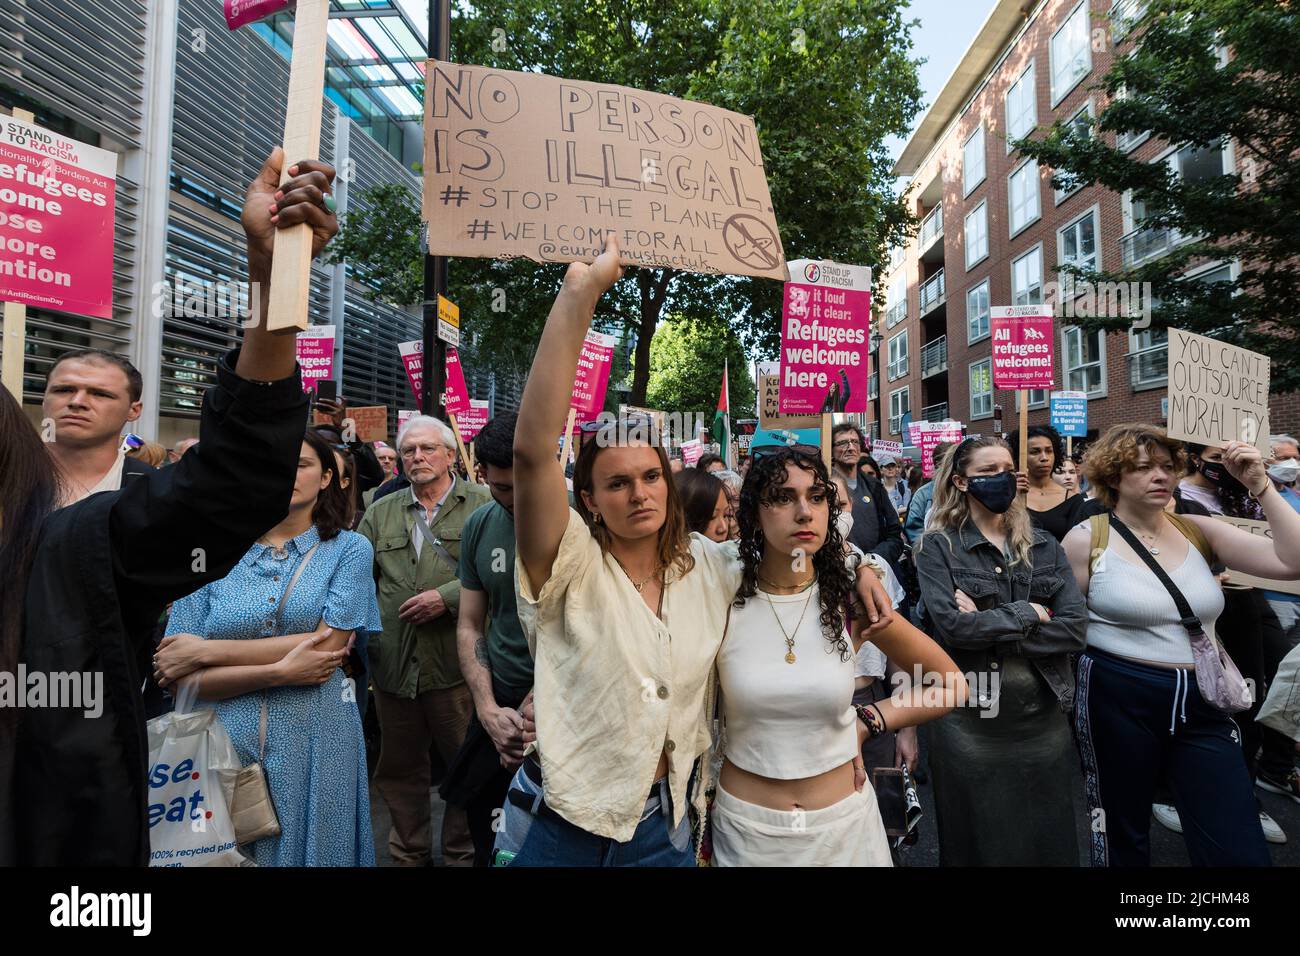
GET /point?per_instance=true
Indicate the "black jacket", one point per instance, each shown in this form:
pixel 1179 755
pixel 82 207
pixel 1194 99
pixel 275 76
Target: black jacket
pixel 876 527
pixel 104 570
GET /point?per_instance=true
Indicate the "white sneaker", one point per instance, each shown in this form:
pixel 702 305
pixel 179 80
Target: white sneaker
pixel 1272 832
pixel 1167 816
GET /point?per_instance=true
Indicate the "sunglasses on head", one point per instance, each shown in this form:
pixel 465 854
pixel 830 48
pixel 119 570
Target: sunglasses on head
pixel 810 450
pixel 633 421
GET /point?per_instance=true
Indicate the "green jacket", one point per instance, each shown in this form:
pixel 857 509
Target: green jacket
pixel 409 659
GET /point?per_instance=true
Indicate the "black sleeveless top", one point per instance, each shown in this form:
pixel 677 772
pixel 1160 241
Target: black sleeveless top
pixel 1059 520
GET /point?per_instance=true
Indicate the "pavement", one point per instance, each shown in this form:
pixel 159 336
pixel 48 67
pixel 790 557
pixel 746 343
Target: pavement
pixel 1167 847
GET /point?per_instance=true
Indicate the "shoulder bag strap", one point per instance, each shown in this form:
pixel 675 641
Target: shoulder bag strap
pixel 1100 528
pixel 1194 534
pixel 1189 619
pixel 435 544
pixel 279 610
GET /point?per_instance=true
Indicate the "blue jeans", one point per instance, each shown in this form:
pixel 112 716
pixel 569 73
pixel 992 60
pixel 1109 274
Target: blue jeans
pixel 543 840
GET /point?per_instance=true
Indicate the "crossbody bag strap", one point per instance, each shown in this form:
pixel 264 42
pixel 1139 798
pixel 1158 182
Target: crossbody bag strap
pixel 279 610
pixel 1189 619
pixel 435 544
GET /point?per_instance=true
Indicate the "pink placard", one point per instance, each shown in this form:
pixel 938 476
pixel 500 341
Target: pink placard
pixel 413 361
pixel 825 319
pixel 937 432
pixel 241 12
pixel 1023 354
pixel 592 378
pixel 471 422
pixel 315 346
pixel 457 398
pixel 57 198
pixel 692 451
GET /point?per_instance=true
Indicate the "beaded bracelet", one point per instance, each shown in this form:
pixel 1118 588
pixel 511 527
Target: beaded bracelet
pixel 870 715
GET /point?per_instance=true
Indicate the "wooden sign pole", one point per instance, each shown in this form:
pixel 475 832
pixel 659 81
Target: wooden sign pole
pixel 826 440
pixel 15 330
pixel 291 267
pixel 1069 446
pixel 464 455
pixel 567 448
pixel 1024 430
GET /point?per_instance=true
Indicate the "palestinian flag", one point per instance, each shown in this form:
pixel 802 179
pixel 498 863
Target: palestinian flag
pixel 719 430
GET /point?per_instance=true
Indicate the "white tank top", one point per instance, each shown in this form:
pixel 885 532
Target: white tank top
pixel 1131 614
pixel 785 721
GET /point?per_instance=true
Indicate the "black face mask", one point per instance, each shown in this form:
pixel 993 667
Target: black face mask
pixel 1216 473
pixel 995 492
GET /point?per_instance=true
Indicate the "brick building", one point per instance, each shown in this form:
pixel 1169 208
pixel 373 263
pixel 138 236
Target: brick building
pixel 994 232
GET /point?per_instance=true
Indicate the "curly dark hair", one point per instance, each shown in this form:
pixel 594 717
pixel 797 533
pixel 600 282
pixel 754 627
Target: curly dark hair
pixel 835 581
pixel 1043 431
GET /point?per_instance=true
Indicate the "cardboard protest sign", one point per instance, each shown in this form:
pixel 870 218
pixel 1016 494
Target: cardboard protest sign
pixel 57 198
pixel 1023 353
pixel 881 447
pixel 825 319
pixel 769 402
pixel 456 400
pixel 1217 392
pixel 1261 530
pixel 370 422
pixel 525 164
pixel 592 378
pixel 315 349
pixel 471 422
pixel 413 361
pixel 1070 414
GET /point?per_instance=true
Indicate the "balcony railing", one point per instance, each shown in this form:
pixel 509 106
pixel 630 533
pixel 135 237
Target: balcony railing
pixel 873 385
pixel 934 357
pixel 1149 367
pixel 1143 244
pixel 895 424
pixel 895 314
pixel 935 413
pixel 931 228
pixel 932 292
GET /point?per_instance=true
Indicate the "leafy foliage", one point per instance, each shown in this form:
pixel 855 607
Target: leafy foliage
pixel 686 362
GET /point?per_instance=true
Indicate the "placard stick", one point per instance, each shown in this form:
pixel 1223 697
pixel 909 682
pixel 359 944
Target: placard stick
pixel 464 455
pixel 15 331
pixel 567 447
pixel 1024 428
pixel 291 267
pixel 1069 446
pixel 826 440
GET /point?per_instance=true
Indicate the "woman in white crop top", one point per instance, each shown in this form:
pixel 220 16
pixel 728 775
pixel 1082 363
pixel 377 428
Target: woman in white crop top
pixel 1140 719
pixel 788 794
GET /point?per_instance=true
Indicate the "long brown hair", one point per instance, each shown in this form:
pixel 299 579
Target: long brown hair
pixel 674 549
pixel 29 490
pixel 951 508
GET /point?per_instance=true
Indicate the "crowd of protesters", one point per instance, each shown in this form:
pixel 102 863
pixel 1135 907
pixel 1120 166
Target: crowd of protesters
pixel 638 663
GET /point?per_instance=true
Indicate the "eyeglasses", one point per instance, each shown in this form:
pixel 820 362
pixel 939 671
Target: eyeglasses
pixel 810 450
pixel 427 450
pixel 845 445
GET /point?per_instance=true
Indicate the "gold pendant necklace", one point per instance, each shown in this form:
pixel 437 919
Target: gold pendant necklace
pixel 789 641
pixel 634 584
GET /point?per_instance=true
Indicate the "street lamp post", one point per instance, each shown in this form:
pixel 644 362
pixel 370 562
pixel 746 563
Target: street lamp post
pixel 435 267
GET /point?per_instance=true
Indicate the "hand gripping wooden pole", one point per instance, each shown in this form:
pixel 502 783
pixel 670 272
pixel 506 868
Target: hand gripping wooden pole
pixel 15 329
pixel 291 267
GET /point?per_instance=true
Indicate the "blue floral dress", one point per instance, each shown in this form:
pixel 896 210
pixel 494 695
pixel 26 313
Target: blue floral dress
pixel 315 756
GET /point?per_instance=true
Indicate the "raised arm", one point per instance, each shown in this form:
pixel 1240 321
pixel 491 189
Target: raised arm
pixel 541 509
pixel 1245 552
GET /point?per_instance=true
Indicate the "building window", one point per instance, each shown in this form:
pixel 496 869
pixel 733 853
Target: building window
pixel 972 161
pixel 1085 360
pixel 897 310
pixel 1129 140
pixel 900 404
pixel 898 355
pixel 977 234
pixel 1071 55
pixel 1077 246
pixel 1149 358
pixel 1123 14
pixel 977 313
pixel 1080 122
pixel 1022 196
pixel 981 389
pixel 1021 106
pixel 896 254
pixel 1027 278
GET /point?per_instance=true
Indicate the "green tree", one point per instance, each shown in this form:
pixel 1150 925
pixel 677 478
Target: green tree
pixel 686 361
pixel 1176 85
pixel 380 242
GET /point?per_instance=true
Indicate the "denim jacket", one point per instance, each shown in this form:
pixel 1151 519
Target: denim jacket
pixel 1004 622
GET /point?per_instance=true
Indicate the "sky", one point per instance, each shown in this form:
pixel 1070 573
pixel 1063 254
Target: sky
pixel 946 30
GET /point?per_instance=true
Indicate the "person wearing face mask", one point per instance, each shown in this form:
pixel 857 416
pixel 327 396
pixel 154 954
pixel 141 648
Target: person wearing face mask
pixel 1248 627
pixel 1004 604
pixel 1141 718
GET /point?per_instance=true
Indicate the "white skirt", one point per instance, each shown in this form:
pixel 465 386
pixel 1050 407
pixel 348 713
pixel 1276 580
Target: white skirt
pixel 848 833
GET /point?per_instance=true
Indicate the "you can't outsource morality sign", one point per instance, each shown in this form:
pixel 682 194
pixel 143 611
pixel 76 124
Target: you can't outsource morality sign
pixel 524 164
